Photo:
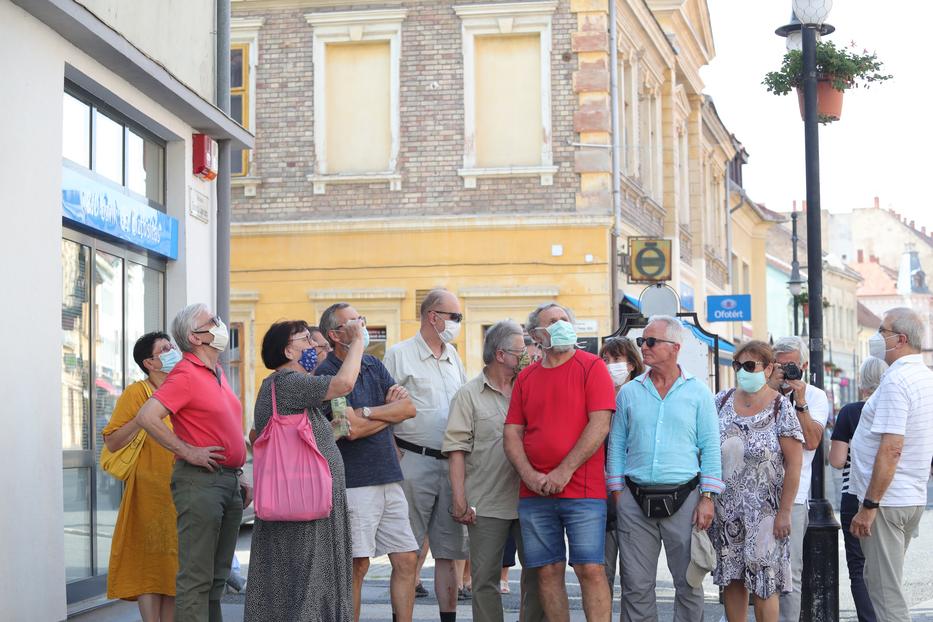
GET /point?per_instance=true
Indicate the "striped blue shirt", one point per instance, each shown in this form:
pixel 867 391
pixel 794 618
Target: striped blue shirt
pixel 659 442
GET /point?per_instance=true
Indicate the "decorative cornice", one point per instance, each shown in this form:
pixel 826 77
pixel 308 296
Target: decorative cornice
pixel 246 24
pixel 509 292
pixel 378 293
pixel 343 18
pixel 250 5
pixel 505 8
pixel 244 296
pixel 430 223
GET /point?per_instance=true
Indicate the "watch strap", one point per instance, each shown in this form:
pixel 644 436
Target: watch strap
pixel 870 505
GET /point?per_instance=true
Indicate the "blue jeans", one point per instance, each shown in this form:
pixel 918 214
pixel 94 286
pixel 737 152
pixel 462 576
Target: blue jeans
pixel 544 520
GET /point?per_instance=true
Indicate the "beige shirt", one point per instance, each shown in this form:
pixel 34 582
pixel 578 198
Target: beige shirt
pixel 477 418
pixel 431 382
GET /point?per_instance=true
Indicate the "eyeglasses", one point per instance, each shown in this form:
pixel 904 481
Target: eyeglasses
pixel 166 348
pixel 214 321
pixel 651 341
pixel 882 329
pixel 456 317
pixel 305 337
pixel 518 353
pixel 361 318
pixel 749 366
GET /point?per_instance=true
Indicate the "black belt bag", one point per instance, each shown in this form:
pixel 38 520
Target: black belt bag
pixel 661 501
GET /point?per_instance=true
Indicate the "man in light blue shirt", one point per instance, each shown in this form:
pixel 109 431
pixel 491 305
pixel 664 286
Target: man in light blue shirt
pixel 664 469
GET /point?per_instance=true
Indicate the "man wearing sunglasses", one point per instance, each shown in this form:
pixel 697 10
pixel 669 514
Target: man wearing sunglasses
pixel 428 367
pixel 664 470
pixel 790 378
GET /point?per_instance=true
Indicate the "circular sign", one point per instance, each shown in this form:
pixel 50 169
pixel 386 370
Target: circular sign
pixel 659 299
pixel 650 261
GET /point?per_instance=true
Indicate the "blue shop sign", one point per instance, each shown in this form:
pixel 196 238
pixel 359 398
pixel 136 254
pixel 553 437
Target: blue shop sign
pixel 110 211
pixel 735 308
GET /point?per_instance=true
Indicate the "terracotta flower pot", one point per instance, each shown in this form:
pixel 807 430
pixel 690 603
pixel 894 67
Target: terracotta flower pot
pixel 828 101
pixel 806 309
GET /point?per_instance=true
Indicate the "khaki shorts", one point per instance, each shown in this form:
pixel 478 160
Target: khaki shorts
pixel 427 488
pixel 379 521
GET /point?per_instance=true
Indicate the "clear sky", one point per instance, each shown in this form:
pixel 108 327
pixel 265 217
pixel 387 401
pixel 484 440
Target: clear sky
pixel 879 148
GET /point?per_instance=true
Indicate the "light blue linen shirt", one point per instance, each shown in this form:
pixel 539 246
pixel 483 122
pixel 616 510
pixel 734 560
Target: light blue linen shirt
pixel 659 442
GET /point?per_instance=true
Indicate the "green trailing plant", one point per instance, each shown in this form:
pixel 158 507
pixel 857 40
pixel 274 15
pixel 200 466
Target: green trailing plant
pixel 844 67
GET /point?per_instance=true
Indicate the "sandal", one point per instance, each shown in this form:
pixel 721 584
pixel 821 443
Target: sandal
pixel 504 587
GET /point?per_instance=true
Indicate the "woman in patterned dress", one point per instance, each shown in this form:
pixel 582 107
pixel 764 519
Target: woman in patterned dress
pixel 302 571
pixel 762 448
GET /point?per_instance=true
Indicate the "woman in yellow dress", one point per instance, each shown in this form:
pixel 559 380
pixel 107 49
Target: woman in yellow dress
pixel 144 554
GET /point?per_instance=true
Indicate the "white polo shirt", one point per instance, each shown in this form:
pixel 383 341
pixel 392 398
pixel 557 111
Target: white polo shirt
pixel 902 403
pixel 818 405
pixel 432 383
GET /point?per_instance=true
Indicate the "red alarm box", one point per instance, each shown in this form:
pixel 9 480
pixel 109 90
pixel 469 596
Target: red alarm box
pixel 204 157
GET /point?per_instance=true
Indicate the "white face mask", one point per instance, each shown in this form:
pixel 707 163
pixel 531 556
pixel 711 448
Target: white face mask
pixel 450 332
pixel 877 346
pixel 221 337
pixel 619 372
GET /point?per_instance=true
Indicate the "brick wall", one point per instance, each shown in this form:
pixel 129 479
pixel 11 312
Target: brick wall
pixel 431 137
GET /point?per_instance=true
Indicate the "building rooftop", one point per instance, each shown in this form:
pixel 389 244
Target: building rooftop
pixel 877 280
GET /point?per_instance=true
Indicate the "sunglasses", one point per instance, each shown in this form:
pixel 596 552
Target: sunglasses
pixel 651 341
pixel 456 317
pixel 749 366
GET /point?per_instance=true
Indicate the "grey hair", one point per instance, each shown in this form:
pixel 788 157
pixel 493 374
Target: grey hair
pixel 184 324
pixel 907 322
pixel 329 321
pixel 497 338
pixel 870 374
pixel 793 344
pixel 533 322
pixel 432 299
pixel 673 328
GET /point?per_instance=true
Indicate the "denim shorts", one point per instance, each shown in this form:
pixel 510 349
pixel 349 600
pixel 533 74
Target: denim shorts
pixel 544 520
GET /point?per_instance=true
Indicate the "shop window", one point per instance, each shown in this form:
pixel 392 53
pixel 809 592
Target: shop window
pixel 235 360
pixel 507 90
pixel 111 146
pixel 240 102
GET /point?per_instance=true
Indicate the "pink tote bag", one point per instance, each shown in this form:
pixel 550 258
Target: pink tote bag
pixel 291 478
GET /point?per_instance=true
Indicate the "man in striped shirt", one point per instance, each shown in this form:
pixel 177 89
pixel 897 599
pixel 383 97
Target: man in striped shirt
pixel 890 470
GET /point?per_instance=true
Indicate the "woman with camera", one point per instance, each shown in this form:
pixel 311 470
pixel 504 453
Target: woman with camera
pixel 761 451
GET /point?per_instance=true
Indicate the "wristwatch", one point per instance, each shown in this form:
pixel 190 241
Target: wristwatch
pixel 801 408
pixel 709 495
pixel 868 504
pixel 367 412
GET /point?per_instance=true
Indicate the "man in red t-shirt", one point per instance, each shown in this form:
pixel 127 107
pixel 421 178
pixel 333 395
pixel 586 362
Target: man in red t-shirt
pixel 210 450
pixel 558 419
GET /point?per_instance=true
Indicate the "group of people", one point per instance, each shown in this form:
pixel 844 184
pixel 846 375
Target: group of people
pixel 549 447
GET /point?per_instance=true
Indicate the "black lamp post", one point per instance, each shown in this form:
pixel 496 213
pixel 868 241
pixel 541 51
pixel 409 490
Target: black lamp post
pixel 795 283
pixel 820 582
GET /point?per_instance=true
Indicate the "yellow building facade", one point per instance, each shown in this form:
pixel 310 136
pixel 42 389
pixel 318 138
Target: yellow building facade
pixel 468 146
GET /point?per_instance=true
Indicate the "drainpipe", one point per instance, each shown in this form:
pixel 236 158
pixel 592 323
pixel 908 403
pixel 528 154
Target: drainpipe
pixel 223 168
pixel 616 160
pixel 729 231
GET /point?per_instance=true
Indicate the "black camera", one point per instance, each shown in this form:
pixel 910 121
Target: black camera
pixel 792 372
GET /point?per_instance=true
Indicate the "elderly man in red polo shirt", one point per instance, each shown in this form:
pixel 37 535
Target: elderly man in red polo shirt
pixel 209 448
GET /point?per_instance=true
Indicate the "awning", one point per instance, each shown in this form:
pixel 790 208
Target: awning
pixel 726 347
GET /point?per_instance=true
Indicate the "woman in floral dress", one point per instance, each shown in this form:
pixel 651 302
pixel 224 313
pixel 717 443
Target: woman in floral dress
pixel 762 447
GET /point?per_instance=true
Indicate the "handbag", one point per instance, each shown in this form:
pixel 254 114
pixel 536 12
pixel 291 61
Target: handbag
pixel 120 463
pixel 291 478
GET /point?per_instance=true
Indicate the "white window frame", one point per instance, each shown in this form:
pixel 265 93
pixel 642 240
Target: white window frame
pixel 351 27
pixel 503 19
pixel 243 30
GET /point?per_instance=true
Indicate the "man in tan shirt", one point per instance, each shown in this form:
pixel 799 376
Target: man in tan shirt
pixel 483 481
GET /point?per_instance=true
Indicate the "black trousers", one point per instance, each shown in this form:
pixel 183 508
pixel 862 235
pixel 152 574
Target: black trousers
pixel 855 559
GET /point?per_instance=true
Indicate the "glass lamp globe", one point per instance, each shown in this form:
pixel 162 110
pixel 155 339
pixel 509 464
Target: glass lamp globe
pixel 812 11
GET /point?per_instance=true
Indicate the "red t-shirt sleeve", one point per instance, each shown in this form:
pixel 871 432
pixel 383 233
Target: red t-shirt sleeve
pixel 516 414
pixel 174 393
pixel 600 392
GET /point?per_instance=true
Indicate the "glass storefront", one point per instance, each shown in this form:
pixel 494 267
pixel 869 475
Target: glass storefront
pixel 111 296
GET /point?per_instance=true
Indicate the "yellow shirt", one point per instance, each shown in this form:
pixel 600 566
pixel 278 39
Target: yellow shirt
pixel 144 553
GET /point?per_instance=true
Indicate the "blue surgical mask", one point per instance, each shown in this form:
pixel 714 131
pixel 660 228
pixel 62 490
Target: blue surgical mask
pixel 169 360
pixel 562 333
pixel 308 359
pixel 750 382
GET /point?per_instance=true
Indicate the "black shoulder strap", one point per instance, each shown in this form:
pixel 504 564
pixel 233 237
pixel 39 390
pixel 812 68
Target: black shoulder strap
pixel 725 398
pixel 777 406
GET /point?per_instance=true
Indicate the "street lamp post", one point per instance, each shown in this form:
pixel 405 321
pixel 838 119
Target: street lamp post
pixel 795 284
pixel 820 582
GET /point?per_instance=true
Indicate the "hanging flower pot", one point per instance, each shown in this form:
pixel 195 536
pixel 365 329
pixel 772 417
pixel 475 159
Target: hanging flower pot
pixel 828 101
pixel 806 309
